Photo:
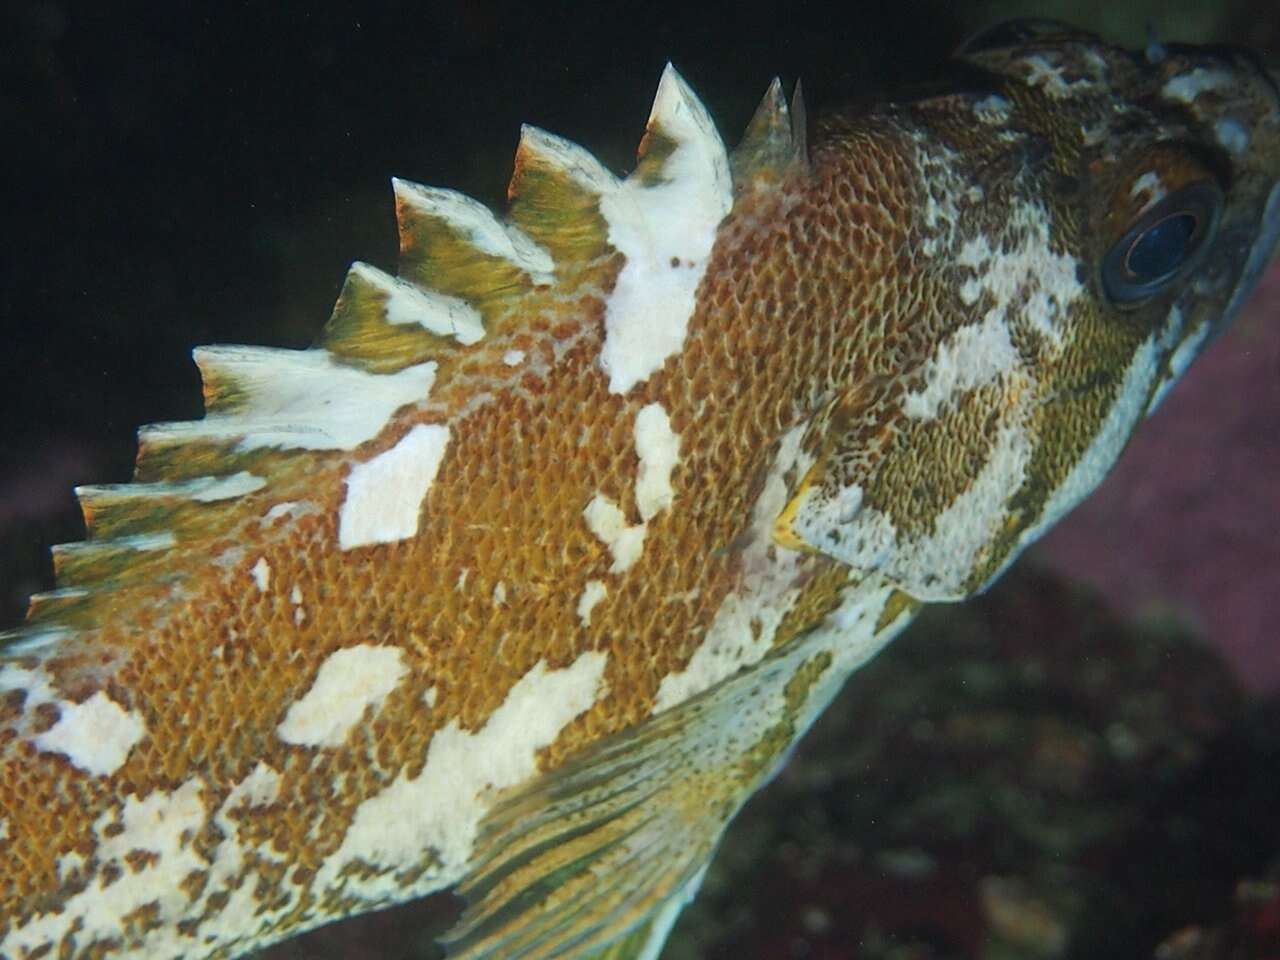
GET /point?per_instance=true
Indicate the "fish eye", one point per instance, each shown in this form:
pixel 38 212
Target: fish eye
pixel 1162 244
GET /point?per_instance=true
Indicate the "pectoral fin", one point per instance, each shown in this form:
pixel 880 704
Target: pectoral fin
pixel 594 860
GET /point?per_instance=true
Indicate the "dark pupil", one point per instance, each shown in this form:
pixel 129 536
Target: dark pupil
pixel 1160 250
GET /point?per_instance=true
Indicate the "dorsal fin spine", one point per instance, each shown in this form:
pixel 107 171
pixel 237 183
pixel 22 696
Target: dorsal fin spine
pixel 576 162
pixel 406 304
pixel 431 216
pixel 91 563
pixel 774 141
pixel 554 197
pixel 181 508
pixel 385 323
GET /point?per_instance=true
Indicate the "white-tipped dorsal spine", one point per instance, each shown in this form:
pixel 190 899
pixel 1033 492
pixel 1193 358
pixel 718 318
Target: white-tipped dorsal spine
pixel 664 222
pixel 299 399
pixel 799 125
pixel 476 223
pixel 576 162
pixel 85 548
pixel 407 304
pixel 767 148
pixel 199 489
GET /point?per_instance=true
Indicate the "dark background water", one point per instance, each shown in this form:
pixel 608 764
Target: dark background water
pixel 179 174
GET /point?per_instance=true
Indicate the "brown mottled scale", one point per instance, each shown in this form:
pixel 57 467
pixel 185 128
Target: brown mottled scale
pixel 832 283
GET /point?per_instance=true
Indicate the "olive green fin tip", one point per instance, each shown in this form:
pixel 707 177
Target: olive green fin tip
pixel 774 142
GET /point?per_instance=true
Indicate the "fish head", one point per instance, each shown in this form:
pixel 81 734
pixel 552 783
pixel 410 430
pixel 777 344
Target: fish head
pixel 1089 218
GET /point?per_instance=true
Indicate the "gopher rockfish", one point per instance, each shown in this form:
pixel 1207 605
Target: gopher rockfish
pixel 534 568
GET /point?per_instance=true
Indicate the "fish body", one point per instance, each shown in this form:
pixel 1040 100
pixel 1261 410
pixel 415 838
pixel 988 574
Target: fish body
pixel 530 572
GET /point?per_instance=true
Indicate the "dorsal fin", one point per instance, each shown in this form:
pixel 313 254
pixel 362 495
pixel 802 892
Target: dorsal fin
pixel 92 562
pixel 386 324
pixel 455 245
pixel 799 125
pixel 178 509
pixel 555 196
pixel 774 141
pixel 465 277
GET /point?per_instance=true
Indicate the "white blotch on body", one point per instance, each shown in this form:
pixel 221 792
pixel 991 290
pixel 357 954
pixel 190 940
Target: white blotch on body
pixel 161 824
pixel 659 451
pixel 1044 72
pixel 433 818
pixel 69 865
pixel 1030 267
pixel 95 735
pixel 665 230
pixel 350 681
pixel 1186 87
pixel 513 358
pixel 299 611
pixel 385 495
pixel 625 541
pixel 994 109
pixel 288 508
pixel 1232 135
pixel 592 594
pixel 261 574
pixel 937 565
pixel 973 356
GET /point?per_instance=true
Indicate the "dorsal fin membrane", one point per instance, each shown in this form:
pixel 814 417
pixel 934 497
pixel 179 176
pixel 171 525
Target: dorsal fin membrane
pixel 300 399
pixel 799 126
pixel 184 509
pixel 58 606
pixel 774 141
pixel 455 245
pixel 262 400
pixel 386 324
pixel 95 563
pixel 555 193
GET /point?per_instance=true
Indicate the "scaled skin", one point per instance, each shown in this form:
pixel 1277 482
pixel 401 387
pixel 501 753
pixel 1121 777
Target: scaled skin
pixel 434 567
